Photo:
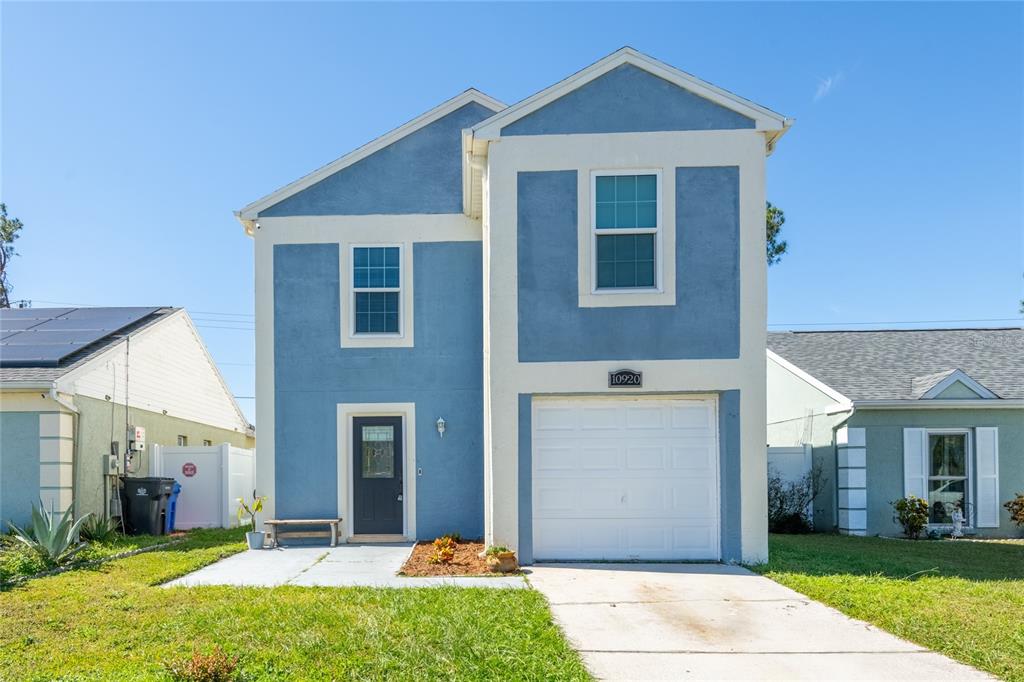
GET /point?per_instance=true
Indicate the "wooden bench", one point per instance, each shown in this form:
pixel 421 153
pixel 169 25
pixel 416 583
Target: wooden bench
pixel 278 524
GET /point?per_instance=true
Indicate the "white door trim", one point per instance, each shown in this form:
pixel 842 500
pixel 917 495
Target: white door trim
pixel 407 411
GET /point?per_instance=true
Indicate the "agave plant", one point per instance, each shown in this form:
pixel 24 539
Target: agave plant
pixel 99 529
pixel 57 542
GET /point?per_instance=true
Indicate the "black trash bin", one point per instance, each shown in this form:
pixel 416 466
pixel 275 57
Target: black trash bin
pixel 146 504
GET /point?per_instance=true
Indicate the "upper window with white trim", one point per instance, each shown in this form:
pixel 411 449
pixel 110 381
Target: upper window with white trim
pixel 626 220
pixel 377 290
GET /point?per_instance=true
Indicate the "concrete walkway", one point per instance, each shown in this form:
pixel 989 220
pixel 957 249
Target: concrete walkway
pixel 715 622
pixel 343 566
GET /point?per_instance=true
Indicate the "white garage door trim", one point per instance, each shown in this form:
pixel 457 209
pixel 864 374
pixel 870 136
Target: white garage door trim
pixel 655 493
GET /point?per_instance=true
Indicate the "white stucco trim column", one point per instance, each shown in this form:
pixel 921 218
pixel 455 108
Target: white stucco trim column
pixel 851 452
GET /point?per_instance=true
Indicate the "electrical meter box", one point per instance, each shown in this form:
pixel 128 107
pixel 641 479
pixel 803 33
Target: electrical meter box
pixel 137 435
pixel 111 465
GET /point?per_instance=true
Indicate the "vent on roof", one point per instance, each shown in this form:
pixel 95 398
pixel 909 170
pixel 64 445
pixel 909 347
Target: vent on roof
pixel 34 337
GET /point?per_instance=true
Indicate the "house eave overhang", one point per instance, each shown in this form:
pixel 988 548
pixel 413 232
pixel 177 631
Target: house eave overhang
pixel 773 124
pixel 249 214
pixel 959 404
pixel 27 385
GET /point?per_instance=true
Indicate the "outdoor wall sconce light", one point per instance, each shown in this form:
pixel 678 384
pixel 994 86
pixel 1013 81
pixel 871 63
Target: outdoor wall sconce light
pixel 440 426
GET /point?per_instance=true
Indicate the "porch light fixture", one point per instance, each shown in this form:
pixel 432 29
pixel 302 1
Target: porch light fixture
pixel 440 426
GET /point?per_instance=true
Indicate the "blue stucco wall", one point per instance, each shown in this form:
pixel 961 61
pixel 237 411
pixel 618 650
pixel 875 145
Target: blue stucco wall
pixel 730 469
pixel 729 462
pixel 420 173
pixel 704 323
pixel 19 466
pixel 525 549
pixel 442 375
pixel 627 99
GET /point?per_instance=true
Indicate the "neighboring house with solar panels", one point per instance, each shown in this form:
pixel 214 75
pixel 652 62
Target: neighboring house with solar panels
pixel 65 376
pixel 934 413
pixel 542 323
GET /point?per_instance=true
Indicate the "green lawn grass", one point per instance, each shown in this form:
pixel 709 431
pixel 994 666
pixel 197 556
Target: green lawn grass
pixel 115 622
pixel 964 599
pixel 18 561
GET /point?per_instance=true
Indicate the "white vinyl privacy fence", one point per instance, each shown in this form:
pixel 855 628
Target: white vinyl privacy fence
pixel 792 464
pixel 212 478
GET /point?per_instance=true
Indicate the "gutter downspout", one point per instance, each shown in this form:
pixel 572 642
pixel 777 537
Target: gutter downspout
pixel 835 461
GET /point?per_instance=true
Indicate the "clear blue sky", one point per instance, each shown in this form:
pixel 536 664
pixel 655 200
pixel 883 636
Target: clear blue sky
pixel 131 131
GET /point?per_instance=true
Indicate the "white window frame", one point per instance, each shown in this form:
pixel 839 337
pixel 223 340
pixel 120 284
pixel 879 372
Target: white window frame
pixel 657 231
pixel 969 492
pixel 353 290
pixel 182 441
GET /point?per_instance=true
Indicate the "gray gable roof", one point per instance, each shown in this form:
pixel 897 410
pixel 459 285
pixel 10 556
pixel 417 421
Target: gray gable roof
pixel 44 374
pixel 904 364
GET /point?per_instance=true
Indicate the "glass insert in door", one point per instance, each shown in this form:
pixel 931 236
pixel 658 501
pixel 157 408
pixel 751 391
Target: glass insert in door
pixel 378 452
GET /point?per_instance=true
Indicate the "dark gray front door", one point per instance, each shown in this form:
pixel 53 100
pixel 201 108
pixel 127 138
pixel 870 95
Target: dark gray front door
pixel 377 475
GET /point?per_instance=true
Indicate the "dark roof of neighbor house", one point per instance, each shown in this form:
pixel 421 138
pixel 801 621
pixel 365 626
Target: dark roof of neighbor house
pixel 905 364
pixel 86 336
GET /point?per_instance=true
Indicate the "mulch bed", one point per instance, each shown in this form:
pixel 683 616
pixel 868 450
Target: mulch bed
pixel 466 562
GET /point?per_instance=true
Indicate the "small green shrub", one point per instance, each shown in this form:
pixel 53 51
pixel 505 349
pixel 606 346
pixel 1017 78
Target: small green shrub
pixel 56 543
pixel 215 666
pixel 99 530
pixel 497 549
pixel 1016 509
pixel 912 514
pixel 17 561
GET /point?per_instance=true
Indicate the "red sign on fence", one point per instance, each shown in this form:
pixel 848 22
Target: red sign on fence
pixel 188 469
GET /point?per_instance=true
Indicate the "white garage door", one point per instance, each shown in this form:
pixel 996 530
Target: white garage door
pixel 625 479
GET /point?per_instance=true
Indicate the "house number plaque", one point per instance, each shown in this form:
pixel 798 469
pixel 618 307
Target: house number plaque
pixel 625 378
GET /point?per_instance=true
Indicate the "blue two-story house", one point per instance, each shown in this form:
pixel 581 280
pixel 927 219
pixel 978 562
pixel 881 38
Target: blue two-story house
pixel 540 324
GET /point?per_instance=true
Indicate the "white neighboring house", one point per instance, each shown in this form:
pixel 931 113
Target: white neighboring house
pixel 66 376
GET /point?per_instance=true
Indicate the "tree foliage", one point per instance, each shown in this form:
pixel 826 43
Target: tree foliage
pixel 774 219
pixel 9 228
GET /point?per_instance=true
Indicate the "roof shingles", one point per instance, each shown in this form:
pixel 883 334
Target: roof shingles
pixel 883 365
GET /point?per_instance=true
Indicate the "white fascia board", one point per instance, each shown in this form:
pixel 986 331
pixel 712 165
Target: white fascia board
pixel 959 404
pixel 249 213
pixel 962 377
pixel 27 385
pixel 765 119
pixel 843 402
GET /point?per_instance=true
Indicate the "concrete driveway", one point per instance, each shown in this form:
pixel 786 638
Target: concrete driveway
pixel 709 621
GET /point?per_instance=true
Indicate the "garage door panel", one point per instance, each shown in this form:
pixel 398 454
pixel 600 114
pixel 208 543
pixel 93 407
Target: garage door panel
pixel 644 418
pixel 695 417
pixel 597 539
pixel 699 457
pixel 645 457
pixel 600 458
pixel 600 419
pixel 555 419
pixel 625 479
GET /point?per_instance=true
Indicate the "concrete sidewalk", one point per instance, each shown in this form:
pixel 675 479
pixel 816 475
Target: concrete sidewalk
pixel 715 622
pixel 374 565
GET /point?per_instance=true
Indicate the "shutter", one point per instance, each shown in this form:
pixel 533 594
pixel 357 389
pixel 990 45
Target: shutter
pixel 987 476
pixel 915 467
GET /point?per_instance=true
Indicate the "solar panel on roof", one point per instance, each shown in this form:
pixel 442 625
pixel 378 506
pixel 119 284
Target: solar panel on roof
pixel 44 337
